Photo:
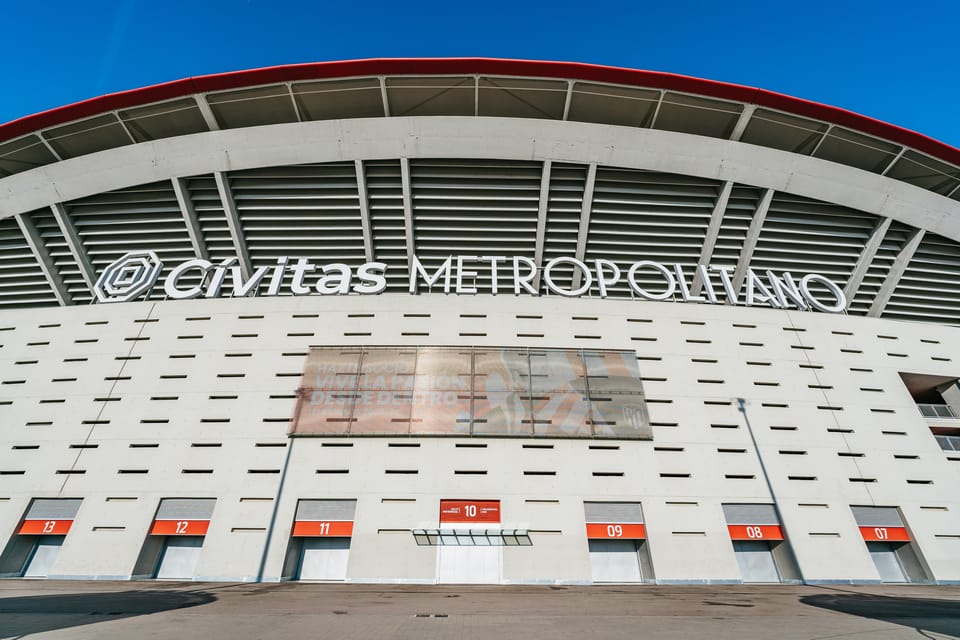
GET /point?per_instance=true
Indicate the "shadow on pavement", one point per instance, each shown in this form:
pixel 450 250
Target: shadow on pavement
pixel 922 614
pixel 20 616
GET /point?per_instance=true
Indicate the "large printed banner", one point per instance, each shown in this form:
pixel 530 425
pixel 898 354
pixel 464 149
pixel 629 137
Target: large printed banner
pixel 565 393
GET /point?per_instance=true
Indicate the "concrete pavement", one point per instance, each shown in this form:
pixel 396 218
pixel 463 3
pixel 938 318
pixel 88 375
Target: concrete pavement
pixel 214 611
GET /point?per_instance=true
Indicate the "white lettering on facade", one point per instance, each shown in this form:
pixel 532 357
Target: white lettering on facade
pixel 470 275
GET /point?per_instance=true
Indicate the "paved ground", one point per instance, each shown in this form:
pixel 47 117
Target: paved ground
pixel 214 611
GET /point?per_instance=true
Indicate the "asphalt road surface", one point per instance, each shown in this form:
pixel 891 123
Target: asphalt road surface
pixel 215 611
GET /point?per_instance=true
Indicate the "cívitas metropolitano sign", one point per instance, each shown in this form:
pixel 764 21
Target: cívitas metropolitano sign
pixel 137 273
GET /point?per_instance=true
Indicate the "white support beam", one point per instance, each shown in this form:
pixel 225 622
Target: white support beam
pixel 542 204
pixel 383 96
pixel 293 102
pixel 954 191
pixel 816 147
pixel 206 112
pixel 585 211
pixel 476 95
pixel 123 125
pixel 44 259
pixel 866 258
pixel 74 244
pixel 46 143
pixel 742 122
pixel 233 222
pixel 364 210
pixel 713 231
pixel 896 272
pixel 407 191
pixel 656 110
pixel 568 100
pixel 896 159
pixel 750 242
pixel 190 218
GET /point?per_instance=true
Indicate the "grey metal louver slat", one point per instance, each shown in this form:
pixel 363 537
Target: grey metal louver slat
pixel 22 281
pixel 877 516
pixel 63 261
pixel 893 241
pixel 619 512
pixel 809 236
pixel 936 262
pixel 385 196
pixel 474 208
pixel 336 510
pixel 142 218
pixel 53 509
pixel 302 211
pixel 186 508
pixel 644 215
pixel 751 514
pixel 564 204
pixel 214 230
pixel 737 216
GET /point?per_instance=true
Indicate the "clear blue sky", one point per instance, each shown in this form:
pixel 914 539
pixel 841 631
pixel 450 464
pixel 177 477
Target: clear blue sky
pixel 896 61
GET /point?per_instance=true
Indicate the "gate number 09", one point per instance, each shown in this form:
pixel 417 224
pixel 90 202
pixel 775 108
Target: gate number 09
pixel 614 531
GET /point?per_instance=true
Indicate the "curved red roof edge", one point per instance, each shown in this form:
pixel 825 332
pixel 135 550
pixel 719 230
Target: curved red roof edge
pixel 480 66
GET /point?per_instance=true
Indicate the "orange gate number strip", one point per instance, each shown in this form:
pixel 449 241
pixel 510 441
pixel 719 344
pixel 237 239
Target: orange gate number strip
pixel 755 532
pixel 614 530
pixel 179 527
pixel 885 534
pixel 45 527
pixel 322 529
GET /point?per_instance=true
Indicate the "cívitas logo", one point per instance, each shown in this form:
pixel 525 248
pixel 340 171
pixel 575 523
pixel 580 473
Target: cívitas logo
pixel 128 277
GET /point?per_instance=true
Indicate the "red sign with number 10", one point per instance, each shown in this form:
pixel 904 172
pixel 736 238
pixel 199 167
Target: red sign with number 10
pixel 470 511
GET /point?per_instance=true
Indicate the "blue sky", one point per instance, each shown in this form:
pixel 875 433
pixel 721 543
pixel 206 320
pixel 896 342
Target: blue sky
pixel 896 61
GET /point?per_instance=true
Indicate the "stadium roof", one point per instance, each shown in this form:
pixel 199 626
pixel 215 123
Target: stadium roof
pixel 481 87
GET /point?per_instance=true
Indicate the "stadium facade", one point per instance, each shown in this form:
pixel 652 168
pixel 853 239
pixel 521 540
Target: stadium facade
pixel 483 321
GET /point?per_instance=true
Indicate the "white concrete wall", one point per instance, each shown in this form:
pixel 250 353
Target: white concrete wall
pixel 697 355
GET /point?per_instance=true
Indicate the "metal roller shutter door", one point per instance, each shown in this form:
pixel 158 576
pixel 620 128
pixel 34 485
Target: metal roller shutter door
pixel 324 559
pixel 179 559
pixel 53 509
pixel 43 556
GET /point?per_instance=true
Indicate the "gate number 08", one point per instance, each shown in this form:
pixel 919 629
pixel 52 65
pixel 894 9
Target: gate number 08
pixel 754 532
